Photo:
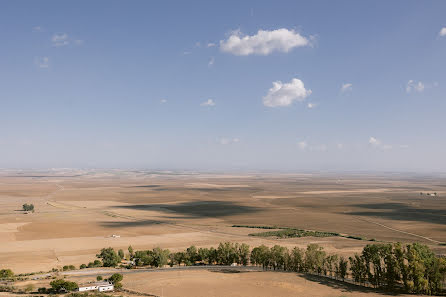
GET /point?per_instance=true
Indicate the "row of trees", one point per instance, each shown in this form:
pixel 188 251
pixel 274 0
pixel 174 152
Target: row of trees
pixel 413 268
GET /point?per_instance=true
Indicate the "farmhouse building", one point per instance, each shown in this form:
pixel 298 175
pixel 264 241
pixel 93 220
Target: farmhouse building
pixel 99 286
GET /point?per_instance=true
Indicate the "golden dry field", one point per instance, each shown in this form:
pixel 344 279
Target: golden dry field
pixel 77 212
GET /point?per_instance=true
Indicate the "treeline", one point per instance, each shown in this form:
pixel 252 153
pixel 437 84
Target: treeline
pixel 411 268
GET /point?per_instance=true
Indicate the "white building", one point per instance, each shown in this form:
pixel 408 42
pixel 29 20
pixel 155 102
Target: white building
pixel 99 286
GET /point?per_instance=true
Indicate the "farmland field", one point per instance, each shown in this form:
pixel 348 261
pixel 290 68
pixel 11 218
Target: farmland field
pixel 78 212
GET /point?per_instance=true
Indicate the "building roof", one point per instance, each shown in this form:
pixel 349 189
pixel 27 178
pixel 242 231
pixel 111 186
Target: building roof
pixel 97 284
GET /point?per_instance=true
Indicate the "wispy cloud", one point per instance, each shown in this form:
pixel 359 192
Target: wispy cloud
pixel 211 62
pixel 311 105
pixel 211 44
pixel 376 143
pixel 263 43
pixel 42 62
pixel 442 32
pixel 347 87
pixel 226 141
pixel 208 102
pixel 37 29
pixel 60 39
pixel 284 94
pixel 304 146
pixel 415 86
pixel 163 101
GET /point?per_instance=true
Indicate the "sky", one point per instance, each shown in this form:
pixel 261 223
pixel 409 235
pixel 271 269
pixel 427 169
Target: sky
pixel 228 85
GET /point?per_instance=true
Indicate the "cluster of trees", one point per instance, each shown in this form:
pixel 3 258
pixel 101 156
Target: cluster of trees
pixel 413 268
pixel 225 254
pixel 28 207
pixel 69 267
pixel 61 285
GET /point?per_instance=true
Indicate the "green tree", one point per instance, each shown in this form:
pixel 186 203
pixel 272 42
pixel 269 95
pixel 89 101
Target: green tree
pixel 59 285
pixel 83 266
pixel 28 207
pixel 6 273
pixel 297 260
pixel 342 268
pixel 99 278
pixel 109 257
pixel 116 279
pixel 314 258
pixel 243 254
pixel 191 255
pixel 160 257
pixel 121 254
pixel 130 249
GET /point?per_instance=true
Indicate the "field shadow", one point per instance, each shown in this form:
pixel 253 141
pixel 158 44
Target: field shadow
pixel 197 209
pixel 131 224
pixel 401 212
pixel 345 286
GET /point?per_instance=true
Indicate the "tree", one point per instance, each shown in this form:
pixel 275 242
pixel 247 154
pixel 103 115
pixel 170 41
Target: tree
pixel 226 253
pixel 28 207
pixel 116 279
pixel 121 254
pixel 6 273
pixel 59 285
pixel 243 254
pixel 203 255
pixel 297 260
pixel 160 257
pixel 342 268
pixel 277 254
pixel 329 264
pixel 130 249
pixel 98 278
pixel 109 257
pixel 314 258
pixel 191 255
pixel 83 266
pixel 358 268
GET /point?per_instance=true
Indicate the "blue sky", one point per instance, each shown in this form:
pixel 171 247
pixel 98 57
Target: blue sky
pixel 229 85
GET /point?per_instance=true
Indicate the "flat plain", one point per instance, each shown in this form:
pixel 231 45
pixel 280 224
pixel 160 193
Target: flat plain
pixel 77 212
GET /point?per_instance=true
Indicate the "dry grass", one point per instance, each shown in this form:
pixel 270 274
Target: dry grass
pixel 77 213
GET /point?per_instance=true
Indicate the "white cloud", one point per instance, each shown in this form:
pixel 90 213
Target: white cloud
pixel 225 141
pixel 373 141
pixel 42 62
pixel 340 146
pixel 376 143
pixel 211 61
pixel 283 94
pixel 311 105
pixel 60 39
pixel 442 32
pixel 208 102
pixel 346 87
pixel 211 44
pixel 263 43
pixel 163 101
pixel 303 145
pixel 415 86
